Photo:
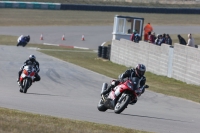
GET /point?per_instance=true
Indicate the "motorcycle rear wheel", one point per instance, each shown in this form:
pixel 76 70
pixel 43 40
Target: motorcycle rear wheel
pixel 120 106
pixel 101 106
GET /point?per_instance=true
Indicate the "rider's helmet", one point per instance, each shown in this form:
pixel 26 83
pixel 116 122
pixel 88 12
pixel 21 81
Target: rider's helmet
pixel 140 70
pixel 32 58
pixel 28 36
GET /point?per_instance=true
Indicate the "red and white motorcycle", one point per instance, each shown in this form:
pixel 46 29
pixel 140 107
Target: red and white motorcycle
pixel 123 94
pixel 26 78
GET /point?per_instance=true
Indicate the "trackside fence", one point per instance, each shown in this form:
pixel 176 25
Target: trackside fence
pixel 179 62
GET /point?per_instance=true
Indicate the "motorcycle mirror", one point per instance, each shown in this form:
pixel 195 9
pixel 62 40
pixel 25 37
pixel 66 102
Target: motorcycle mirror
pixel 146 86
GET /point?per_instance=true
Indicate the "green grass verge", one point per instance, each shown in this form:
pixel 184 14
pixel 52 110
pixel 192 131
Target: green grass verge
pixel 16 17
pixel 13 121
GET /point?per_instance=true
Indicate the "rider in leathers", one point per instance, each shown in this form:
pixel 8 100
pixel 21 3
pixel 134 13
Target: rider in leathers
pixel 137 72
pixel 31 61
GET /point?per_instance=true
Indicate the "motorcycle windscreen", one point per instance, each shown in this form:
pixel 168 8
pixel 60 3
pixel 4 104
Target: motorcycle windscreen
pixel 136 82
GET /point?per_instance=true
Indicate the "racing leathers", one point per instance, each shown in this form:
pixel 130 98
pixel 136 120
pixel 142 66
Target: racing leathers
pixel 23 40
pixel 35 64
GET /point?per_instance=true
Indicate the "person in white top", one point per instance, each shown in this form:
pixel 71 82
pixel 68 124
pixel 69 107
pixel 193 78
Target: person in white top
pixel 190 41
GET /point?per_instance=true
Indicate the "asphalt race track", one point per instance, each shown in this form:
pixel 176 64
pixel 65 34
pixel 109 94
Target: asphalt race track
pixel 69 91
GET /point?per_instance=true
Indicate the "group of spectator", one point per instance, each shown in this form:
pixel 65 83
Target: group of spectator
pixel 159 39
pixel 149 36
pixel 190 41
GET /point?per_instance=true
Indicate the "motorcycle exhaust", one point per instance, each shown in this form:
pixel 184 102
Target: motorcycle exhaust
pixel 104 86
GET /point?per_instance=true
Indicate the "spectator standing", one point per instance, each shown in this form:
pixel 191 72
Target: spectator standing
pixel 152 38
pixel 157 39
pixel 137 38
pixel 181 40
pixel 168 39
pixel 149 36
pixel 190 41
pixel 160 40
pixel 148 28
pixel 133 35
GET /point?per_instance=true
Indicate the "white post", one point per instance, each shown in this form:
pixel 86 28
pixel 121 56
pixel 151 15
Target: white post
pixel 170 61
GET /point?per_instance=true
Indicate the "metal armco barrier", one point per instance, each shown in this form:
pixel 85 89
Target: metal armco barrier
pixel 30 5
pixel 130 9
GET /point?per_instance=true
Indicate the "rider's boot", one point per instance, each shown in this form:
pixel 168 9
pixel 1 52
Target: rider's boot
pixel 107 90
pixel 33 80
pixel 19 73
pixel 18 79
pixel 133 101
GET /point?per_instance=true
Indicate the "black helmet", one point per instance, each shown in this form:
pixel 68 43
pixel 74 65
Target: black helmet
pixel 32 58
pixel 28 36
pixel 140 70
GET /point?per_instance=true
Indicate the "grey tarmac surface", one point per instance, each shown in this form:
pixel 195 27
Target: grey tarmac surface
pixel 94 35
pixel 69 91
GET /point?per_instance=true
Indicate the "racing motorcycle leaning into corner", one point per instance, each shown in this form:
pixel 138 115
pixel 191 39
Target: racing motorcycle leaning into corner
pixel 28 73
pixel 126 92
pixel 27 78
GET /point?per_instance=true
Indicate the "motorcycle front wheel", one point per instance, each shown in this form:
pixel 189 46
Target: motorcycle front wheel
pixel 101 106
pixel 26 84
pixel 122 103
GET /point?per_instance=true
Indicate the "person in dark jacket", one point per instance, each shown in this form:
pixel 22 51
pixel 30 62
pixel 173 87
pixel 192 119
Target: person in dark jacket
pixel 181 40
pixel 132 38
pixel 31 61
pixel 139 72
pixel 152 38
pixel 168 39
pixel 160 40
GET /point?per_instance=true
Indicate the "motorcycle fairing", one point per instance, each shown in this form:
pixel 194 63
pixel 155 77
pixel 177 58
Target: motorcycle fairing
pixel 27 72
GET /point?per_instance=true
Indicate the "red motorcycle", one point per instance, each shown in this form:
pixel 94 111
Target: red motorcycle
pixel 123 94
pixel 26 78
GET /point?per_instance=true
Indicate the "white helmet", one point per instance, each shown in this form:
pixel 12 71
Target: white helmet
pixel 32 58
